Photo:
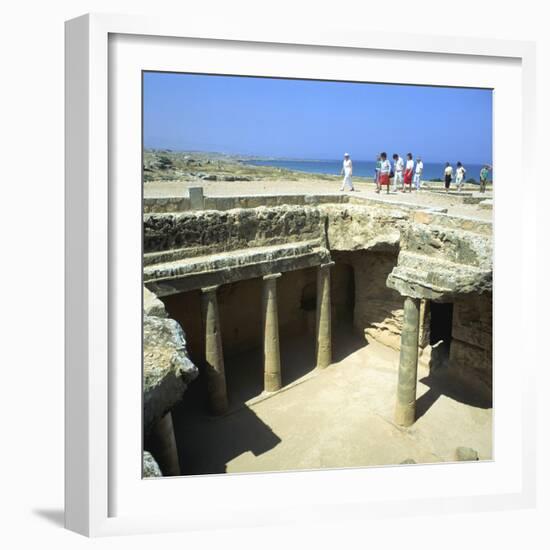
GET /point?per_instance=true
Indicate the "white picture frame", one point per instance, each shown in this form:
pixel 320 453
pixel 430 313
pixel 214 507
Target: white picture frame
pixel 93 394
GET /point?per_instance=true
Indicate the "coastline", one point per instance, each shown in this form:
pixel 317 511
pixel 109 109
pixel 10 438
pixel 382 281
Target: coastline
pixel 192 166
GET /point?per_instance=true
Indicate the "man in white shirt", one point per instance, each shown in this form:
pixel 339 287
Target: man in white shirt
pixel 418 169
pixel 398 166
pixel 347 172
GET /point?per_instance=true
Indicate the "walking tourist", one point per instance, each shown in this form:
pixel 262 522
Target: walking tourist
pixel 459 176
pixel 398 165
pixel 385 169
pixel 347 172
pixel 483 177
pixel 408 175
pixel 418 169
pixel 448 175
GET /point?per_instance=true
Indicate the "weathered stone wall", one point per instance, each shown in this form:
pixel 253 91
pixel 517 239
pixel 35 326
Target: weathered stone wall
pixel 472 339
pixel 342 290
pixel 209 231
pixel 185 308
pixel 359 228
pixel 441 258
pixel 376 310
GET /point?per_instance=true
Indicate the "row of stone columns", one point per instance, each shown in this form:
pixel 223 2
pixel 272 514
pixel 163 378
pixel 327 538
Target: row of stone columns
pixel 217 390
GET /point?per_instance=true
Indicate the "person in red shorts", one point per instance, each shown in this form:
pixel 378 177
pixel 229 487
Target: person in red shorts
pixel 385 169
pixel 408 175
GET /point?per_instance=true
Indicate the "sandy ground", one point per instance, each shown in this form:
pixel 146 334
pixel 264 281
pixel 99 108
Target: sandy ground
pixel 339 417
pixel 423 198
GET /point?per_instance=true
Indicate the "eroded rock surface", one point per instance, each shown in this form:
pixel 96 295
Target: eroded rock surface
pixel 440 263
pixel 220 231
pixel 167 369
pixel 152 305
pixel 352 227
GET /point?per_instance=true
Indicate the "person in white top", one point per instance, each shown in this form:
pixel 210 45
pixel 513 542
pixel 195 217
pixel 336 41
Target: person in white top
pixel 347 172
pixel 448 174
pixel 459 175
pixel 408 175
pixel 384 176
pixel 398 166
pixel 418 173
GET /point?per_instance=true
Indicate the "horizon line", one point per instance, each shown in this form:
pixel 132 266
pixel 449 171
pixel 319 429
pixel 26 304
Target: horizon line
pixel 253 156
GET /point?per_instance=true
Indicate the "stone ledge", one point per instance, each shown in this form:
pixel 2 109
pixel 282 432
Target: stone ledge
pixel 191 274
pixel 212 202
pixel 437 280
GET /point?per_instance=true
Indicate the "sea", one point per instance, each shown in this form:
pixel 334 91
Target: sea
pixel 363 168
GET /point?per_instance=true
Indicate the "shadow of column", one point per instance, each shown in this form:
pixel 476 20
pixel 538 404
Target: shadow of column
pixel 442 381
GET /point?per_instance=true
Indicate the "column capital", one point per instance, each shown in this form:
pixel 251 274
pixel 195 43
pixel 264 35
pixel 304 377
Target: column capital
pixel 207 289
pixel 271 276
pixel 328 264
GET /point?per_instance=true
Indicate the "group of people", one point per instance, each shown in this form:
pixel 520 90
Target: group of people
pixel 407 173
pixel 459 174
pixel 402 174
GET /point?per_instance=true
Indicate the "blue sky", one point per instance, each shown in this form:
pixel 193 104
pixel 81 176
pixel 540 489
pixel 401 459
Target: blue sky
pixel 306 119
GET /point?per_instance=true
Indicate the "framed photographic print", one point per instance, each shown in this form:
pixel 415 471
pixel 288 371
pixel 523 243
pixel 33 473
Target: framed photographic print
pixel 288 275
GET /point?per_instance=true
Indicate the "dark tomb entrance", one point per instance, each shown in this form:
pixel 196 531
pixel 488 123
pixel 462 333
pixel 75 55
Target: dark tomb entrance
pixel 441 329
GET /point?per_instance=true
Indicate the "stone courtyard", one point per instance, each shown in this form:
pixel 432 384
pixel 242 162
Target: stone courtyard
pixel 315 330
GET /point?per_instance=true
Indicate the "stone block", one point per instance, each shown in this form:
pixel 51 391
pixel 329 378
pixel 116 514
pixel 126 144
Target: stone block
pixel 196 198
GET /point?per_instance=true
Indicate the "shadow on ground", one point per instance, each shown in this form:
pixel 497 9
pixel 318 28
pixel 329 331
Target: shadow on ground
pixel 443 382
pixel 207 443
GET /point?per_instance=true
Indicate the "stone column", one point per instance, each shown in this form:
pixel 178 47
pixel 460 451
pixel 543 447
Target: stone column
pixel 408 364
pixel 217 391
pixel 272 358
pixel 324 333
pixel 162 445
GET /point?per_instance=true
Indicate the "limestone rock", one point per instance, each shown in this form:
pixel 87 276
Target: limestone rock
pixel 440 263
pixel 150 466
pixel 353 227
pixel 222 231
pixel 466 454
pixel 152 305
pixel 167 370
